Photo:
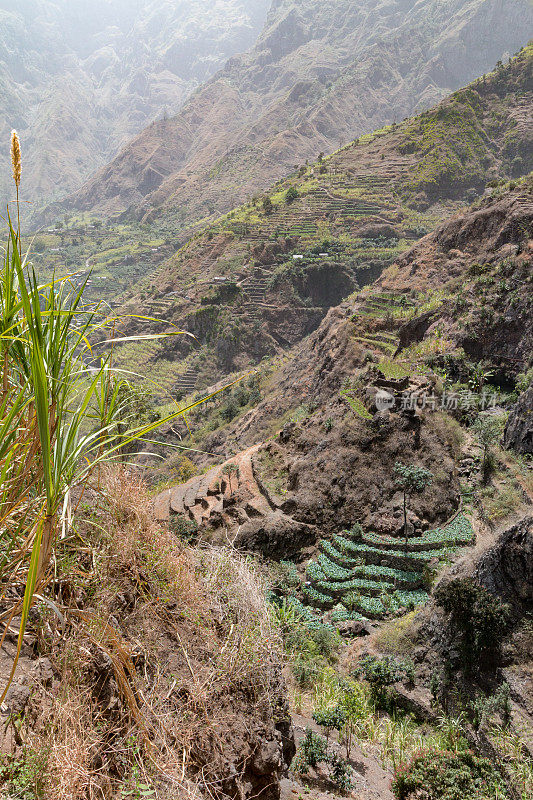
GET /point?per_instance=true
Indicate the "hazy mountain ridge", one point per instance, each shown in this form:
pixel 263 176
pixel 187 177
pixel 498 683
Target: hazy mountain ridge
pixel 79 80
pixel 319 75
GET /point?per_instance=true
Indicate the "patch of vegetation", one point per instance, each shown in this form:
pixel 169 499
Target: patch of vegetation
pixel 24 776
pixel 381 673
pixel 498 502
pixel 451 146
pixel 312 751
pixel 291 195
pixel 484 708
pixel 273 474
pixel 355 403
pixel 524 380
pixel 520 770
pixel 285 578
pixel 478 618
pixel 310 644
pixel 398 637
pixel 441 775
pixel 182 527
pixel 489 430
pixel 394 369
pixel 349 574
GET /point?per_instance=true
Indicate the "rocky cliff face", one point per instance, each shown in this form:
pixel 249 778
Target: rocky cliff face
pixel 480 262
pixel 506 570
pixel 519 428
pixel 79 79
pixel 319 75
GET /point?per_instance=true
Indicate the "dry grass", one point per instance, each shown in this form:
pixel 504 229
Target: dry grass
pixel 252 650
pixel 450 431
pixel 398 637
pixel 152 693
pixel 74 740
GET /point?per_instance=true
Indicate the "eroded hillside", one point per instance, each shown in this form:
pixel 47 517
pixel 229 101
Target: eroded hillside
pixel 320 75
pixel 422 367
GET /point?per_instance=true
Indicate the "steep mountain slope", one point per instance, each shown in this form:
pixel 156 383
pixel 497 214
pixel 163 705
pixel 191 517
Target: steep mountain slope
pixel 321 74
pixel 263 276
pixel 80 79
pixel 388 376
pixel 478 268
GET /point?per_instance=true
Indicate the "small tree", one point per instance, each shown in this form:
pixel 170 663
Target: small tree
pixel 267 205
pixel 291 195
pixel 410 480
pixel 229 470
pixel 330 719
pixel 488 430
pixel 380 673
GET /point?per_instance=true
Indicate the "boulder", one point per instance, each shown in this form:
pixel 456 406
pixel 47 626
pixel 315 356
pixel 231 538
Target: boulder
pixel 354 627
pixel 506 570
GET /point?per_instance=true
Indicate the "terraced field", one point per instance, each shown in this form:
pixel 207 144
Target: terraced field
pixel 368 575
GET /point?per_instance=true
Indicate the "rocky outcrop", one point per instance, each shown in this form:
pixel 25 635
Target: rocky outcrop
pixel 228 498
pixel 415 329
pixel 506 569
pixel 518 433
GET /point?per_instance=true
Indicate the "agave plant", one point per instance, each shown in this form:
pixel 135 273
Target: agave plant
pixel 61 415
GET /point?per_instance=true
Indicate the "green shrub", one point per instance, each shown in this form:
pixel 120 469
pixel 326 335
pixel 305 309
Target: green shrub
pixel 478 619
pixel 267 205
pixel 182 527
pixel 229 410
pixel 443 775
pixel 489 431
pixel 291 195
pixel 312 750
pixel 380 673
pixel 484 708
pixel 331 719
pixel 310 645
pixel 241 396
pixel 285 578
pixel 340 772
pixel 524 380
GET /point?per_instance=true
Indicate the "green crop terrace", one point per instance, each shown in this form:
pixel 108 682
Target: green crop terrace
pixel 367 575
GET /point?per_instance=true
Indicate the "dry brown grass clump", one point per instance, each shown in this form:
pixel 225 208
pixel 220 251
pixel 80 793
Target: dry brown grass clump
pixel 167 675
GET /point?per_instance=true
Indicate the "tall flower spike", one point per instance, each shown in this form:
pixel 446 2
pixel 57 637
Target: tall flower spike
pixel 16 160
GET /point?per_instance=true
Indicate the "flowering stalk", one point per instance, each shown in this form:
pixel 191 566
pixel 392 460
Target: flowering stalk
pixel 16 163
